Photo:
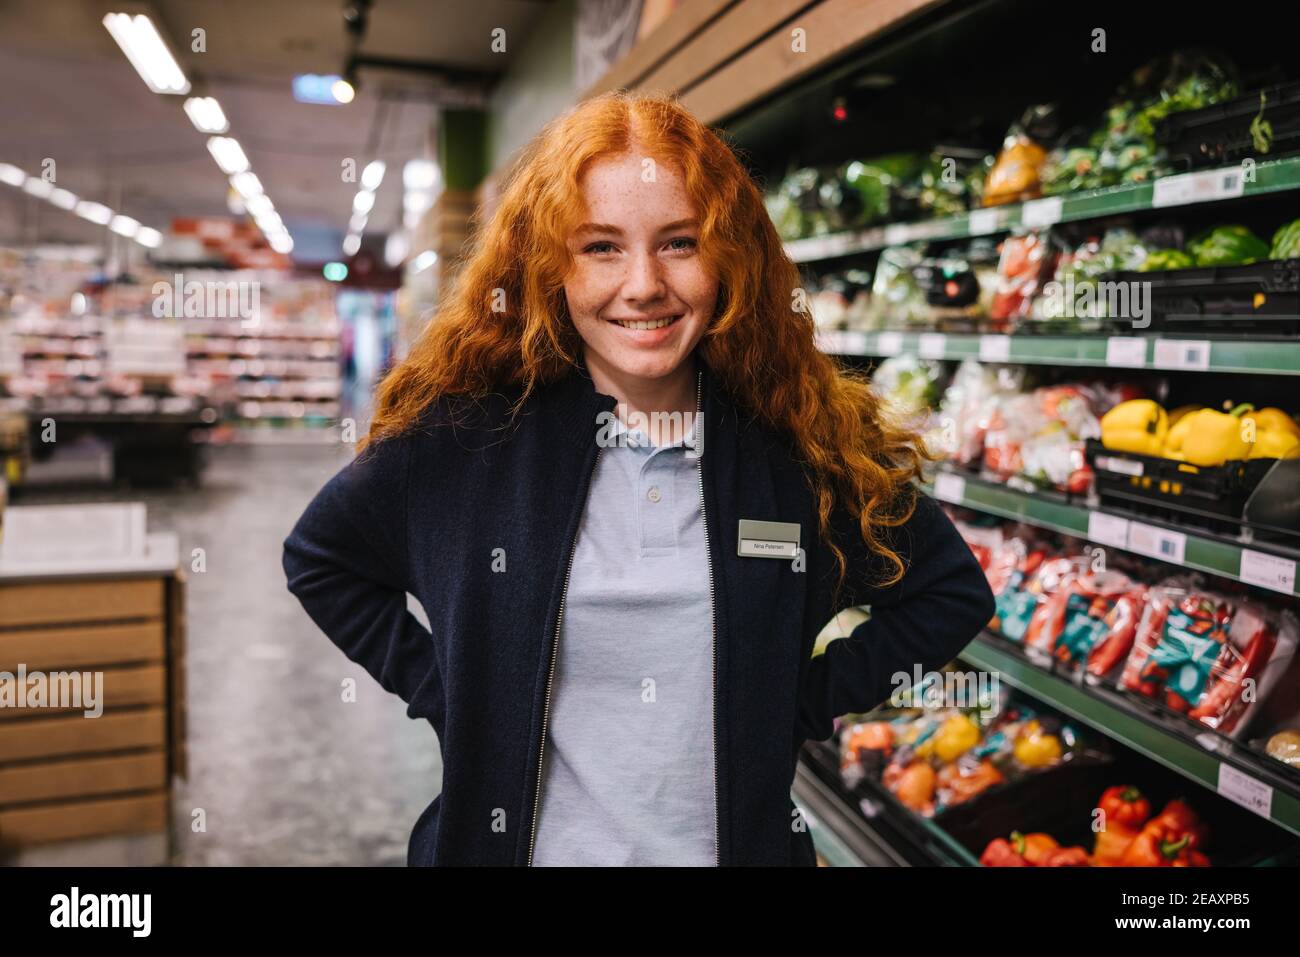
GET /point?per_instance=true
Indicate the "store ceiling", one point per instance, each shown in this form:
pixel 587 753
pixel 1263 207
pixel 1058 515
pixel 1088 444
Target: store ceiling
pixel 68 94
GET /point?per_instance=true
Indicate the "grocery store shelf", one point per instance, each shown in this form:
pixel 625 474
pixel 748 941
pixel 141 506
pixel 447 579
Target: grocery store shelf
pixel 1164 739
pixel 1264 357
pixel 1267 565
pixel 1179 190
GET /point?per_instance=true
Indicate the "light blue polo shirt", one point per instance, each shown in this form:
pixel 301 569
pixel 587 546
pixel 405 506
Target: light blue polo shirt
pixel 628 775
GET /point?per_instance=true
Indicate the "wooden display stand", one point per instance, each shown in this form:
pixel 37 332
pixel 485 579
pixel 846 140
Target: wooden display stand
pixel 65 775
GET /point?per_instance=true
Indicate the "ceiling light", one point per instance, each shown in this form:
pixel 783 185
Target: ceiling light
pixel 396 247
pixel 259 206
pixel 38 187
pixel 373 175
pixel 228 154
pixel 416 200
pixel 97 213
pixel 357 224
pixel 419 174
pixel 424 261
pixel 63 199
pixel 144 47
pixel 269 222
pixel 351 243
pixel 12 175
pixel 206 114
pixel 124 226
pixel 364 202
pixel 246 184
pixel 282 243
pixel 149 237
pixel 342 91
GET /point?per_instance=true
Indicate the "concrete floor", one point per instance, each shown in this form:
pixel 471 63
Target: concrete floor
pixel 285 771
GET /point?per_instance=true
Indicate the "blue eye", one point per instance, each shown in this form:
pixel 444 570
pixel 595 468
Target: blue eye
pixel 599 248
pixel 690 243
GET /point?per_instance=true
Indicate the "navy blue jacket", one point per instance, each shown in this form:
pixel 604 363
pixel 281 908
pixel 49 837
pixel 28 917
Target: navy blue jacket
pixel 427 512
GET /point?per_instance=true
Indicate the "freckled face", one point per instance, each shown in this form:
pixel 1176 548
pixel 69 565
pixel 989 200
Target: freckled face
pixel 638 292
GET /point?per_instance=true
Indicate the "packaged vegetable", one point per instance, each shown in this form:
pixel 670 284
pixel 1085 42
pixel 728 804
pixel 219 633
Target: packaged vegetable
pixel 1227 246
pixel 1207 657
pixel 1027 261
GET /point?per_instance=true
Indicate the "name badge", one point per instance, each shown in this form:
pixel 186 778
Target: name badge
pixel 768 539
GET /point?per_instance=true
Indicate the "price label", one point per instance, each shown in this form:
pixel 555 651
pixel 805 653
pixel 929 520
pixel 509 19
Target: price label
pixel 950 488
pixel 1241 788
pixel 889 343
pixel 1155 542
pixel 1203 187
pixel 1041 212
pixel 1267 571
pixel 1108 530
pixel 1129 352
pixel 932 345
pixel 1109 463
pixel 897 234
pixel 983 221
pixel 1192 354
pixel 995 348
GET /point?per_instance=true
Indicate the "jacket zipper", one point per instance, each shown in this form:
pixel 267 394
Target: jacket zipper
pixel 550 675
pixel 713 617
pixel 555 644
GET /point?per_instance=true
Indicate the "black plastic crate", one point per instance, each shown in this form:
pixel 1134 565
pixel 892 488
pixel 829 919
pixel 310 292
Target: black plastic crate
pixel 1261 297
pixel 1169 488
pixel 1219 135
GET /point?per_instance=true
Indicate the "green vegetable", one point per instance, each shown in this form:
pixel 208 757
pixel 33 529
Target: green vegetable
pixel 1227 246
pixel 1261 130
pixel 1286 241
pixel 1163 259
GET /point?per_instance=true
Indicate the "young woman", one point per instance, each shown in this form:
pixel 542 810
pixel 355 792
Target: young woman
pixel 629 492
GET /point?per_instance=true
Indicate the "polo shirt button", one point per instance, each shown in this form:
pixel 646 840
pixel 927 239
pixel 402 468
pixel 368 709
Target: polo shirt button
pixel 653 494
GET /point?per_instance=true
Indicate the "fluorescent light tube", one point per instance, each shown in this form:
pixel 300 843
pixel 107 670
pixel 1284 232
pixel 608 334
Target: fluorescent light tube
pixel 38 187
pixel 63 199
pixel 124 226
pixel 149 237
pixel 373 175
pixel 97 213
pixel 228 154
pixel 12 175
pixel 144 47
pixel 206 114
pixel 246 184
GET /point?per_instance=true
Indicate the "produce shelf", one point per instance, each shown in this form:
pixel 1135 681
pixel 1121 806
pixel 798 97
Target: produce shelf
pixel 1259 356
pixel 1178 190
pixel 1267 565
pixel 1202 759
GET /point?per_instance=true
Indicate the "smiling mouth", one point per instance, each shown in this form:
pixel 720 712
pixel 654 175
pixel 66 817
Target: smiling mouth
pixel 646 324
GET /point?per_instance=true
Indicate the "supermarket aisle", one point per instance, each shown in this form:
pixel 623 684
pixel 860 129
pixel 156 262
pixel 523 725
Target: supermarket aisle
pixel 285 771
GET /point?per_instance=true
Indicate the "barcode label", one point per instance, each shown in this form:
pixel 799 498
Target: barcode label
pixel 1267 571
pixel 889 343
pixel 995 348
pixel 983 221
pixel 932 345
pixel 950 488
pixel 1108 529
pixel 1129 352
pixel 1191 354
pixel 1108 463
pixel 1041 212
pixel 1241 788
pixel 1202 187
pixel 1155 542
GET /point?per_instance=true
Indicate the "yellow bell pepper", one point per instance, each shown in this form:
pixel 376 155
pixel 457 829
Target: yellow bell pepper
pixel 1137 426
pixel 1216 437
pixel 955 737
pixel 1036 749
pixel 1177 433
pixel 1271 444
pixel 1176 415
pixel 1272 420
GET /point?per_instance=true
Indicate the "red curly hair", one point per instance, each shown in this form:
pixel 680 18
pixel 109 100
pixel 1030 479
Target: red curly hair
pixel 850 447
